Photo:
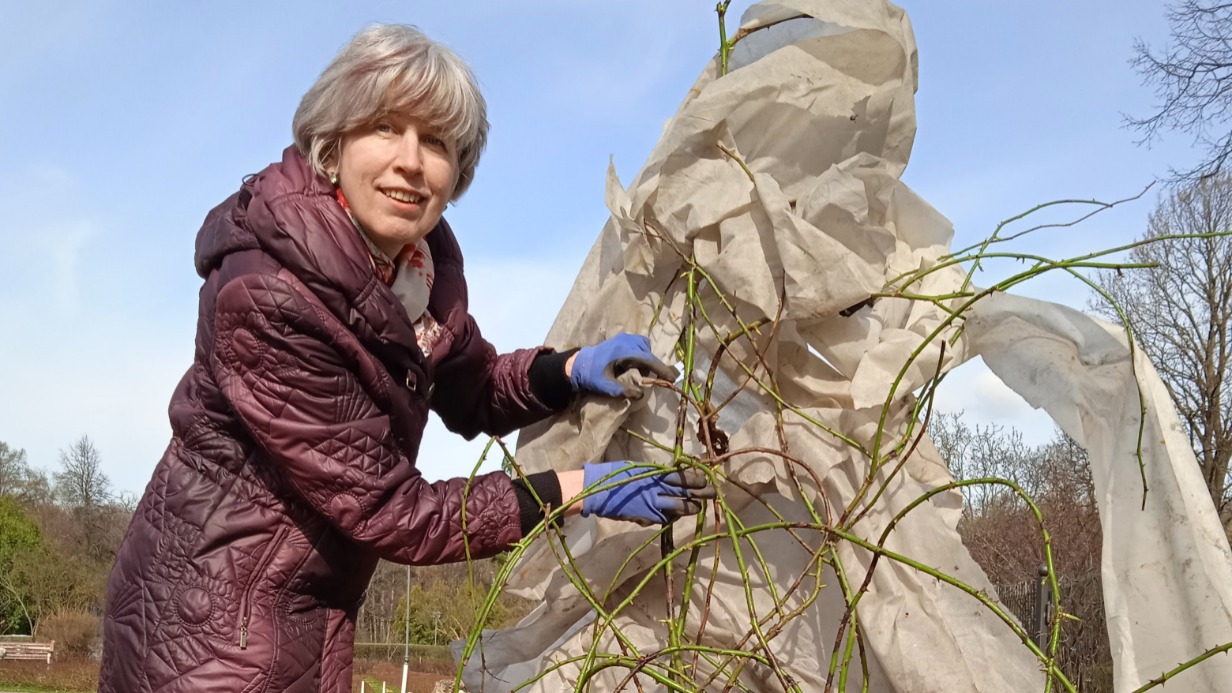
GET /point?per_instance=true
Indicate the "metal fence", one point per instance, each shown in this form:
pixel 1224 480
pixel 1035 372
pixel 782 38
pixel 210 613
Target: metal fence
pixel 1083 652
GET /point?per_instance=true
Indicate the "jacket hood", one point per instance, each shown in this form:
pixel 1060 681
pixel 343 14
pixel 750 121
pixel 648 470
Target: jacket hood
pixel 290 213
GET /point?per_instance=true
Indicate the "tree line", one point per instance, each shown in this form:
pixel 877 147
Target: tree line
pixel 1003 536
pixel 58 538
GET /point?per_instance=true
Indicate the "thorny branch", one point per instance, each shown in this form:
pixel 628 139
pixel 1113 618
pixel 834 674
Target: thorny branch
pixel 689 660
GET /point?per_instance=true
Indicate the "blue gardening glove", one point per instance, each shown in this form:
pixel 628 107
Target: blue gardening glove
pixel 596 368
pixel 652 499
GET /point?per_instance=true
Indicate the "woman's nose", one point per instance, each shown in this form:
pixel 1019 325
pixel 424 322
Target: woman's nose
pixel 409 159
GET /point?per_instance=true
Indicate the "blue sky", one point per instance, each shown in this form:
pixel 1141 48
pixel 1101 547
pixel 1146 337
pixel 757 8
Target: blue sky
pixel 123 122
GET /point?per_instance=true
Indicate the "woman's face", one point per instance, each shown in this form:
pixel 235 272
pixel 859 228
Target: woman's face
pixel 397 177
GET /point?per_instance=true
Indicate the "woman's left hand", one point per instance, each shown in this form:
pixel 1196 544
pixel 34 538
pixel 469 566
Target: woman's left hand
pixel 597 367
pixel 633 492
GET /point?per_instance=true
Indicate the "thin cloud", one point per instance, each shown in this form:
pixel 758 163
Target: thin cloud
pixel 65 250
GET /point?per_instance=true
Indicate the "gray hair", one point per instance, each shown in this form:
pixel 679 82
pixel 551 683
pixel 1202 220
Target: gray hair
pixel 393 68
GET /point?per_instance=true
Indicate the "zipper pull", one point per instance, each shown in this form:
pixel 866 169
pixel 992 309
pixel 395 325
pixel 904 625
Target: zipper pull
pixel 244 634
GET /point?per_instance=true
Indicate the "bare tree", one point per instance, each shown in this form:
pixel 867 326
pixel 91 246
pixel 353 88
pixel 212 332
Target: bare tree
pixel 983 452
pixel 1192 78
pixel 81 482
pixel 385 592
pixel 18 480
pixel 12 469
pixel 1181 314
pixel 1002 534
pixel 997 525
pixel 85 492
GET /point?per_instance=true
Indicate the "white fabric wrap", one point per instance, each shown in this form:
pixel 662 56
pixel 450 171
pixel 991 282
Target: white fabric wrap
pixel 821 111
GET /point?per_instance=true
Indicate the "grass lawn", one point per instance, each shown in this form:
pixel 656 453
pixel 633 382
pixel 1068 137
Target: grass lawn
pixel 68 676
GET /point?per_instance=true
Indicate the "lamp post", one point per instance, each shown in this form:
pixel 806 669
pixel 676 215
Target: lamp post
pixel 406 635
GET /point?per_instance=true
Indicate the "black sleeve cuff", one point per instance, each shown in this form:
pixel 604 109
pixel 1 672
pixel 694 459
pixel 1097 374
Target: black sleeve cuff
pixel 547 487
pixel 548 381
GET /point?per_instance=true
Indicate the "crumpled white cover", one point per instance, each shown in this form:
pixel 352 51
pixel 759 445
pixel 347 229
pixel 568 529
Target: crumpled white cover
pixel 821 111
pixel 1167 571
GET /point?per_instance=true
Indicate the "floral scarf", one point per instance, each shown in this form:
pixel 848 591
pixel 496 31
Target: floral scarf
pixel 410 276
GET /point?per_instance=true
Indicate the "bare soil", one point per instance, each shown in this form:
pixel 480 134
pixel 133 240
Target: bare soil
pixel 391 674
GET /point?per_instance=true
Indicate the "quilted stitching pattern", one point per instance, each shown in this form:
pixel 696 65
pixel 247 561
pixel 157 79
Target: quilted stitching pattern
pixel 294 453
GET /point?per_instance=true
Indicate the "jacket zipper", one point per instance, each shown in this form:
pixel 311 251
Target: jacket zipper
pixel 245 601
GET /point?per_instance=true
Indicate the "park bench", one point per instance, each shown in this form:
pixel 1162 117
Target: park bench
pixel 27 650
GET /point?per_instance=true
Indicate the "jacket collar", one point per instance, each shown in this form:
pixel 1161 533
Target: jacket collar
pixel 290 213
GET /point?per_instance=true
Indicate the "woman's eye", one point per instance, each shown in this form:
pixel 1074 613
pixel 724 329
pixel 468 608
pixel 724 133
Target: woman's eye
pixel 384 128
pixel 435 141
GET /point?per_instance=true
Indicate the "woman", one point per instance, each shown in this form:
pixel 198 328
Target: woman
pixel 332 317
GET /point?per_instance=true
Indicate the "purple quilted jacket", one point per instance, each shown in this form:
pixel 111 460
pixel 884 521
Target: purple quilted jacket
pixel 292 465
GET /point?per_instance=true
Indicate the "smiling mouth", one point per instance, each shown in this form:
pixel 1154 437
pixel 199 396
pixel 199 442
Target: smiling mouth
pixel 402 196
